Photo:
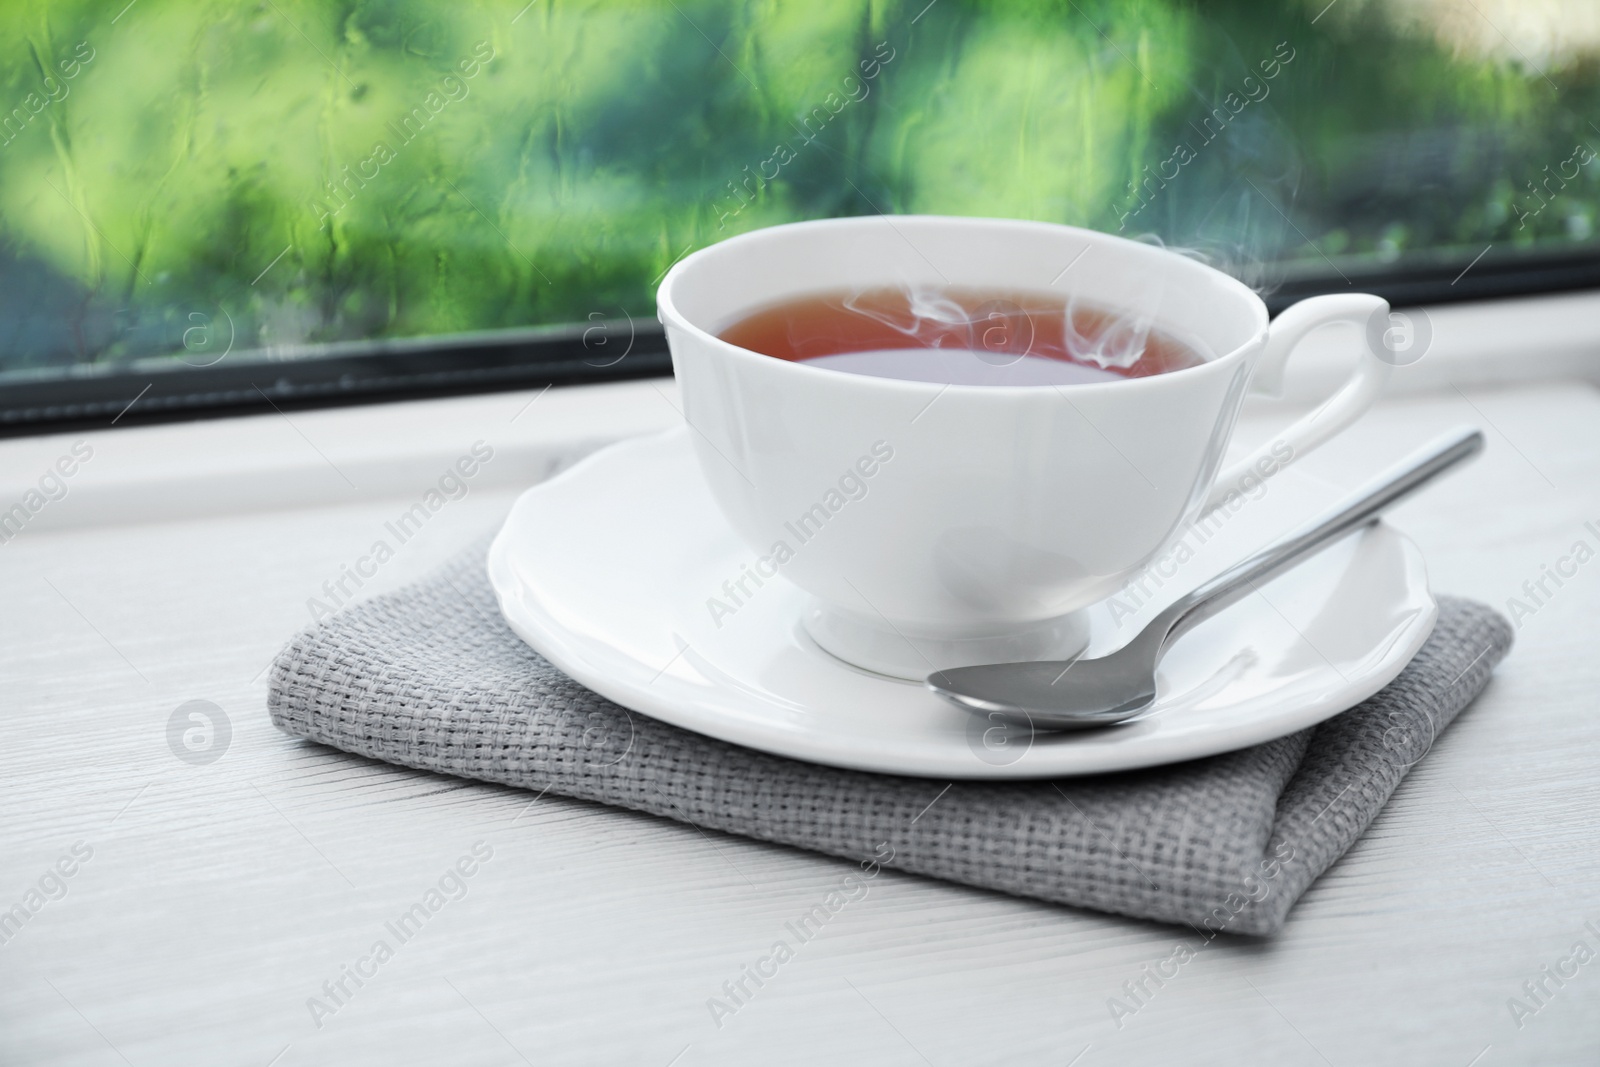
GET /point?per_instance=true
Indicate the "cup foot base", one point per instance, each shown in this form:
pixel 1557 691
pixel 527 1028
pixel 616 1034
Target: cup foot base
pixel 905 651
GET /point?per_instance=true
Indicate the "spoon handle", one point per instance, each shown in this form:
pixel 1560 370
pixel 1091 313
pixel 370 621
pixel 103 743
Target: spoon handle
pixel 1355 511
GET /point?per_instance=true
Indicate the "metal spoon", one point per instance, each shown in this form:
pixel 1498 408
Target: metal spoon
pixel 1082 693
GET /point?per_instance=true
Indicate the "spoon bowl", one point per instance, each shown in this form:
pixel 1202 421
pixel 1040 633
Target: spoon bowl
pixel 1075 695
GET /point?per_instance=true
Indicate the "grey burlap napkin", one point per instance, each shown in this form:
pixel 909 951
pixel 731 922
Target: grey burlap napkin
pixel 431 677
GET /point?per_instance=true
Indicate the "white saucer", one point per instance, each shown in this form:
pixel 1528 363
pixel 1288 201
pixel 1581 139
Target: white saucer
pixel 606 570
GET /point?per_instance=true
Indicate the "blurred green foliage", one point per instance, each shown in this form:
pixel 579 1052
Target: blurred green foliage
pixel 292 172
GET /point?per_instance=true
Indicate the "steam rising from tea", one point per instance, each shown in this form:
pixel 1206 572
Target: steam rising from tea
pixel 962 336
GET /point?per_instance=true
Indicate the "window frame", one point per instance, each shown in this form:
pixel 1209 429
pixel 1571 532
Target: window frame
pixel 344 373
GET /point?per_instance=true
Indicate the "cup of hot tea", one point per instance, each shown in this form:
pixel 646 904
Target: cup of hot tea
pixel 956 434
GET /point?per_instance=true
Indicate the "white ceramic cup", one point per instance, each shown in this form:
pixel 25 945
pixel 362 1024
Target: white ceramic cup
pixel 944 525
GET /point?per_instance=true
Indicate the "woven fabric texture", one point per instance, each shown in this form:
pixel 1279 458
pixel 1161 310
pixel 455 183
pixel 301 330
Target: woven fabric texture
pixel 431 677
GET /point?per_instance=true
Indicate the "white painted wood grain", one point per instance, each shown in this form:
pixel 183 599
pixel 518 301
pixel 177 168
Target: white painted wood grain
pixel 220 898
pixel 326 457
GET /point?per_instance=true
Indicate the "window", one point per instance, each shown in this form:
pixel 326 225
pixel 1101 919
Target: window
pixel 209 206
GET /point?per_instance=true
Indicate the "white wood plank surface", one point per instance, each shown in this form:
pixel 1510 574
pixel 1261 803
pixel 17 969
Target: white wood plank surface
pixel 220 898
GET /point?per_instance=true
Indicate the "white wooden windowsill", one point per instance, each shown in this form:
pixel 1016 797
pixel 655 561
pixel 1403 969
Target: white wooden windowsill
pixel 219 899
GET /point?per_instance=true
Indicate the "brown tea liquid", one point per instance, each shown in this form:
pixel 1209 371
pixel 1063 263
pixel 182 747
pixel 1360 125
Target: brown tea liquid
pixel 961 336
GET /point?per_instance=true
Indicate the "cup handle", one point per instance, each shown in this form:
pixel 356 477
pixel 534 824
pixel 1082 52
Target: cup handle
pixel 1366 383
